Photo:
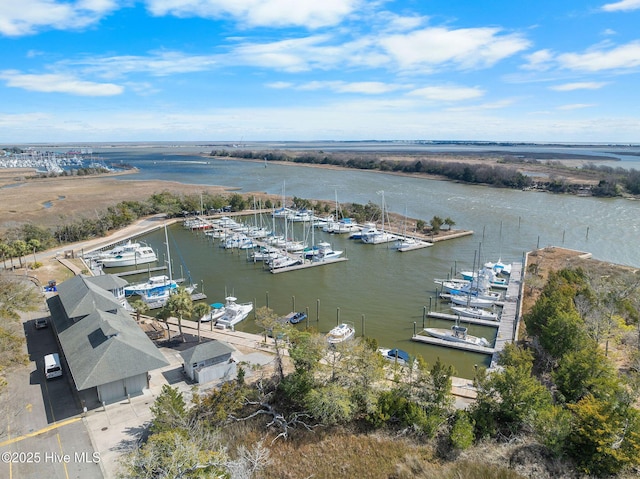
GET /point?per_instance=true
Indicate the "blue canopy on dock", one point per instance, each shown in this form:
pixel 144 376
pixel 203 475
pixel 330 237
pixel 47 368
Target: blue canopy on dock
pixel 217 305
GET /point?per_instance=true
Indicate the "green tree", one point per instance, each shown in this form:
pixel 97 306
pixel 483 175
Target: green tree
pixel 169 410
pixel 509 398
pixel 140 307
pixel 180 304
pixel 330 404
pixel 605 437
pixel 199 311
pixel 436 223
pixel 449 223
pixel 20 248
pixel 278 329
pixel 586 371
pixel 461 435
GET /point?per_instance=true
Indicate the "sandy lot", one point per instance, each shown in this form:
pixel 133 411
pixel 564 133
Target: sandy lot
pixel 50 201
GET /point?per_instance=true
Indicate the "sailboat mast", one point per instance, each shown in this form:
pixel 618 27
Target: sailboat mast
pixel 166 240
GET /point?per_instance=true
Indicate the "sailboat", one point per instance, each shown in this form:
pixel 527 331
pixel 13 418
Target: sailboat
pixel 371 235
pixel 158 298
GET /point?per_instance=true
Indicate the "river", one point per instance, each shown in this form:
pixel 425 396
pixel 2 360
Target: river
pixel 390 289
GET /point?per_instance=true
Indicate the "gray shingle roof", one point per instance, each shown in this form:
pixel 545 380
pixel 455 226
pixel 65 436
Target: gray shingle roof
pixel 108 281
pixel 102 345
pixel 81 297
pixel 204 351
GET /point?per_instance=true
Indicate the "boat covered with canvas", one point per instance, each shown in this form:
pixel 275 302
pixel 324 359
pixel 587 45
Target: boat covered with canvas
pixel 395 355
pixel 152 285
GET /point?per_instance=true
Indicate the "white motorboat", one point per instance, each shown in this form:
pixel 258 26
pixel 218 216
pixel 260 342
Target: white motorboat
pixel 234 313
pixel 457 334
pixel 372 235
pixel 477 313
pixel 153 284
pixel 342 332
pixel 472 301
pixel 217 311
pixel 322 252
pixel 282 261
pixel 128 254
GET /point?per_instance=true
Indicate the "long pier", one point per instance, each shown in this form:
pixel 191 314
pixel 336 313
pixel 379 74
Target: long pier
pixel 510 312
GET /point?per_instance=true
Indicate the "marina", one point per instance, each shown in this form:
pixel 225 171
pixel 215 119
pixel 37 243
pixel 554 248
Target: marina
pixel 377 287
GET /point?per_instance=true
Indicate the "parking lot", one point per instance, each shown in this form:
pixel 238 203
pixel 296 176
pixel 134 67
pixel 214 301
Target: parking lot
pixel 44 434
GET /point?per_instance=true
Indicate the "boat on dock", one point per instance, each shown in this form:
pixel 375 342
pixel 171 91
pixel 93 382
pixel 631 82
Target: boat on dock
pixel 395 355
pixel 233 313
pixel 295 317
pixel 217 311
pixel 342 332
pixel 471 300
pixel 128 254
pixel 153 284
pixel 476 313
pixel 457 334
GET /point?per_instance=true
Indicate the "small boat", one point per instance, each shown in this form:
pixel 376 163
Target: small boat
pixel 342 332
pixel 296 317
pixel 372 235
pixel 477 313
pixel 395 355
pixel 129 254
pixel 217 312
pixel 457 334
pixel 283 261
pixel 321 252
pixel 153 284
pixel 233 313
pixel 472 300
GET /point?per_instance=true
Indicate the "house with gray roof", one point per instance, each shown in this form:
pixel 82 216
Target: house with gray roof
pixel 209 361
pixel 104 348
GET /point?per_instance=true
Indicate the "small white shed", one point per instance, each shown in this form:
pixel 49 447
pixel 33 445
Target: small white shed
pixel 209 361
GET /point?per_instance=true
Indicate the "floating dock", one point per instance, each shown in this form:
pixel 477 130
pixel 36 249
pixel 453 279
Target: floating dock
pixel 509 318
pixel 464 319
pixel 453 344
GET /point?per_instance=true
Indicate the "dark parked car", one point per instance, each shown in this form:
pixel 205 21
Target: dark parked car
pixel 41 323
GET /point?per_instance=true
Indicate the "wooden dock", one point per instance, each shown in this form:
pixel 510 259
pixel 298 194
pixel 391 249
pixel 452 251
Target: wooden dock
pixel 453 344
pixel 307 264
pixel 509 319
pixel 140 271
pixel 463 319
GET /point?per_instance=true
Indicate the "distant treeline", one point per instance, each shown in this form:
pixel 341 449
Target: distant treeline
pixel 612 181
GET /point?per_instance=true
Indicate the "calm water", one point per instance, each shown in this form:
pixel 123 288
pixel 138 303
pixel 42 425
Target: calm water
pixel 390 289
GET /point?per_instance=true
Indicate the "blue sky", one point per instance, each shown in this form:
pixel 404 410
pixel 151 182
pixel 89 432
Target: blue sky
pixel 232 70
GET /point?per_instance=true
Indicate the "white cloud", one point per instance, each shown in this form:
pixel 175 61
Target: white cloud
pixel 540 60
pixel 157 63
pixel 622 6
pixel 496 105
pixel 447 93
pixel 619 58
pixel 58 83
pixel 367 88
pixel 578 86
pixel 25 17
pixel 272 13
pixel 575 106
pixel 465 48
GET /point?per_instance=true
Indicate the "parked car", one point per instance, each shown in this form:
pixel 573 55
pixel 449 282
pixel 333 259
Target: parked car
pixel 41 323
